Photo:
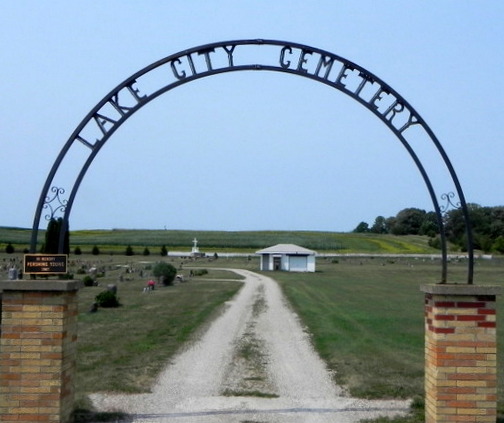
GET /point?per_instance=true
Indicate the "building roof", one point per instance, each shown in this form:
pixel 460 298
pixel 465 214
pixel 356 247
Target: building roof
pixel 291 249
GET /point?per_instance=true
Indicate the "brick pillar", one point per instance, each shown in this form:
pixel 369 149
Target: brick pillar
pixel 37 350
pixel 460 353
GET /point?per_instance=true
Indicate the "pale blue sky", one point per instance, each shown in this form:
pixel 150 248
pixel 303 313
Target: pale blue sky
pixel 249 151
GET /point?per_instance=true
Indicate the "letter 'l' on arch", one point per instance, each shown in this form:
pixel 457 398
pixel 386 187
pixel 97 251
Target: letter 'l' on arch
pixel 230 56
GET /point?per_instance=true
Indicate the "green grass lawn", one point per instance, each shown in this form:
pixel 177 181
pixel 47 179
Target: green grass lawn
pixel 365 317
pixel 367 323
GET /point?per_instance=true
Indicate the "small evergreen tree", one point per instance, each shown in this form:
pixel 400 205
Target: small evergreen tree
pixel 52 236
pixel 164 251
pixel 9 249
pixel 146 251
pixel 88 281
pixel 77 251
pixel 107 299
pixel 95 251
pixel 129 251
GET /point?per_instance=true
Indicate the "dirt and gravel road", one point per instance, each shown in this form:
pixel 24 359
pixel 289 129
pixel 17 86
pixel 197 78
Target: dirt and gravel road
pixel 255 363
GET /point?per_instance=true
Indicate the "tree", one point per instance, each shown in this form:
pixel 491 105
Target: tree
pixel 429 226
pixel 52 237
pixel 164 251
pixel 361 228
pixel 165 272
pixel 408 222
pixel 95 251
pixel 481 222
pixel 9 249
pixel 146 251
pixel 129 251
pixel 379 226
pixel 498 245
pixel 496 222
pixel 455 226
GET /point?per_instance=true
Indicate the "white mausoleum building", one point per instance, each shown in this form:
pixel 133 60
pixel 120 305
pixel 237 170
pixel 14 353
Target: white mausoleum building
pixel 287 257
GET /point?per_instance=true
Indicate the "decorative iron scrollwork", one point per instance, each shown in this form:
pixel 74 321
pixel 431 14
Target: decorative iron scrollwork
pixel 55 203
pixel 229 56
pixel 449 203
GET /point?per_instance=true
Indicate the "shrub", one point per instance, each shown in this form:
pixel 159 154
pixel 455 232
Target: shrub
pixel 435 242
pixel 9 249
pixel 77 251
pixel 164 251
pixel 498 245
pixel 146 251
pixel 95 251
pixel 88 281
pixel 129 251
pixel 107 299
pixel 200 272
pixel 164 271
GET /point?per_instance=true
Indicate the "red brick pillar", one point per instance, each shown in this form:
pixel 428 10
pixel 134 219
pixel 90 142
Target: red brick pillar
pixel 460 353
pixel 38 350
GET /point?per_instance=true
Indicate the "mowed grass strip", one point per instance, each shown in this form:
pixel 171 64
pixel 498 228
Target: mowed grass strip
pixel 366 325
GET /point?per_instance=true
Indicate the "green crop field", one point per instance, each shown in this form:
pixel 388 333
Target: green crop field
pixel 115 241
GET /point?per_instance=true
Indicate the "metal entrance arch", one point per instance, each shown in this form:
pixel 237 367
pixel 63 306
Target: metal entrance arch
pixel 267 55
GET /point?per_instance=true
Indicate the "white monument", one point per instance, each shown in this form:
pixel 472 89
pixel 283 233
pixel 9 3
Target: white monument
pixel 195 252
pixel 195 249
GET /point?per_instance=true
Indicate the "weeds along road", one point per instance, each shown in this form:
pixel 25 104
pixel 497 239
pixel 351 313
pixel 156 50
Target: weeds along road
pixel 253 364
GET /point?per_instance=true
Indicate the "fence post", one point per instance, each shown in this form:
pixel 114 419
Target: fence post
pixel 460 353
pixel 38 350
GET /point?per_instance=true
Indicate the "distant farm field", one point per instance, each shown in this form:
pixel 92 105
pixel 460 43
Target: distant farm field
pixel 115 241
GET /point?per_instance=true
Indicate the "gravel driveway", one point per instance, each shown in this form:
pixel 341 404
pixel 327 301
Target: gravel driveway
pixel 255 363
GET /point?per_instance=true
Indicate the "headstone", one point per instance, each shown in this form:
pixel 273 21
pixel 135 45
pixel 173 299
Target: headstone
pixel 13 274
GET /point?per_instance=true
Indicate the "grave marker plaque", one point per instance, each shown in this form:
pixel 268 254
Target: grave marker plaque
pixel 45 264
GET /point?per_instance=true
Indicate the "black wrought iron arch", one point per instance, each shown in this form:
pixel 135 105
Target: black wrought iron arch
pixel 216 58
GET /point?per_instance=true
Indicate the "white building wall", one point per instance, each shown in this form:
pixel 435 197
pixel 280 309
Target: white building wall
pixel 311 264
pixel 298 263
pixel 265 262
pixel 285 263
pixel 293 263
